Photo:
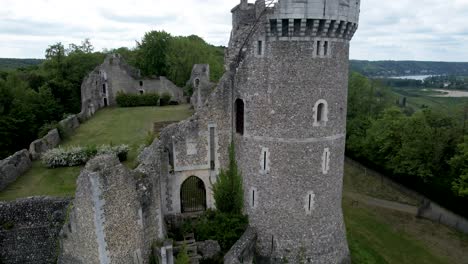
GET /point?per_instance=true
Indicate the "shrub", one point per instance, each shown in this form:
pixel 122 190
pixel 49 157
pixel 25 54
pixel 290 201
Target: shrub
pixel 228 191
pixel 226 228
pixel 165 99
pixel 134 100
pixel 183 257
pixel 76 156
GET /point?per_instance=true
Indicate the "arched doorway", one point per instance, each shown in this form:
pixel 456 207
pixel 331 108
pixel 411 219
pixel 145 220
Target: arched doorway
pixel 193 195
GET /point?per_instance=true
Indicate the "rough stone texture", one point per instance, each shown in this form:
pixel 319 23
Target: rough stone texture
pixel 200 82
pixel 13 167
pixel 40 146
pixel 209 248
pixel 243 251
pixel 113 219
pixel 29 230
pixel 101 86
pixel 70 124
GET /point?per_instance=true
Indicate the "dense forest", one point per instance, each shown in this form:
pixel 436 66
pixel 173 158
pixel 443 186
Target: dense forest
pixel 34 98
pixel 13 64
pixel 402 68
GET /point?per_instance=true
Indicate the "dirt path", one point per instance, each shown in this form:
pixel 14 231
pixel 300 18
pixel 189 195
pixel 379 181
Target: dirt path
pixel 382 203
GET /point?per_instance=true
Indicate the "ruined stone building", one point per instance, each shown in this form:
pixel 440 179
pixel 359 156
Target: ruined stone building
pixel 101 86
pixel 282 101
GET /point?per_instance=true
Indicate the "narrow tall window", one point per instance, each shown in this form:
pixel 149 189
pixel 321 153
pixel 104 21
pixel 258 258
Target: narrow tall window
pixel 309 27
pixel 197 83
pixel 239 116
pixel 309 202
pixel 141 83
pixel 318 47
pixel 325 48
pixel 274 27
pixel 320 111
pixel 212 148
pixel 264 161
pixel 253 197
pixel 297 27
pixel 104 89
pixel 326 161
pixel 285 27
pixel 260 48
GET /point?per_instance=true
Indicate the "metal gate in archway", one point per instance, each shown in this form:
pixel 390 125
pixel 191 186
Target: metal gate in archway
pixel 193 195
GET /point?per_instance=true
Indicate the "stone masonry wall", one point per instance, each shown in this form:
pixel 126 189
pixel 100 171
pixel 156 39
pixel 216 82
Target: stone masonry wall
pixel 107 222
pixel 70 124
pixel 40 146
pixel 29 230
pixel 13 167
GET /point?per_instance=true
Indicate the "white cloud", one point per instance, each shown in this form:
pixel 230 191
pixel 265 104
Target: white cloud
pixel 399 29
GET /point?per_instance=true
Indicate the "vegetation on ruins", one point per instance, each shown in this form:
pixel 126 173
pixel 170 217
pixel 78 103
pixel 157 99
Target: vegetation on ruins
pixel 76 156
pixel 228 191
pixel 135 100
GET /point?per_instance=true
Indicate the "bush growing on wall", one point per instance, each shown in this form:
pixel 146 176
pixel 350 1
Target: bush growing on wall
pixel 228 191
pixel 134 100
pixel 76 156
pixel 165 99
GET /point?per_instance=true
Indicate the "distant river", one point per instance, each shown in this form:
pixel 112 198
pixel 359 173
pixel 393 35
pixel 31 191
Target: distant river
pixel 413 77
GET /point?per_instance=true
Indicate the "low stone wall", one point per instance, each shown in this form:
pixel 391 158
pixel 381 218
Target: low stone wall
pixel 29 229
pixel 13 167
pixel 243 250
pixel 40 146
pixel 437 213
pixel 70 124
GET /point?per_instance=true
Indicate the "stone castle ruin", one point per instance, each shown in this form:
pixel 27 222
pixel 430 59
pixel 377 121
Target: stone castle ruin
pixel 101 86
pixel 282 101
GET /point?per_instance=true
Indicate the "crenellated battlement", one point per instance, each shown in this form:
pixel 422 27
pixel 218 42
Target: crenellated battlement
pixel 296 29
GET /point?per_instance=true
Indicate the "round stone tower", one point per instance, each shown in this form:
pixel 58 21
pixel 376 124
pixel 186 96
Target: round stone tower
pixel 289 118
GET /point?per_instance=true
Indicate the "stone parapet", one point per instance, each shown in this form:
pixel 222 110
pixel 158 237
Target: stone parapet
pixel 13 167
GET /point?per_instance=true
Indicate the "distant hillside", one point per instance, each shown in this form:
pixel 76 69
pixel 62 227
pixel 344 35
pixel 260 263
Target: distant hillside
pixel 401 68
pixel 12 64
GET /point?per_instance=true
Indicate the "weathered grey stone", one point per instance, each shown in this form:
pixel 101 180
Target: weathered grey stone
pixel 243 251
pixel 201 84
pixel 209 248
pixel 100 87
pixel 13 167
pixel 29 229
pixel 108 221
pixel 70 124
pixel 40 146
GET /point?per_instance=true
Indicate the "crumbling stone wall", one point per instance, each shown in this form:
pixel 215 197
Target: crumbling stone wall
pixel 70 124
pixel 40 146
pixel 201 85
pixel 29 230
pixel 114 75
pixel 13 167
pixel 113 219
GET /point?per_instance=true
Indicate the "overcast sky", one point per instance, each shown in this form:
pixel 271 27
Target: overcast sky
pixel 389 30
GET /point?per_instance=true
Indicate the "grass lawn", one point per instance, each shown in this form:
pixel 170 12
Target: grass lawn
pixel 377 235
pixel 109 126
pixel 416 98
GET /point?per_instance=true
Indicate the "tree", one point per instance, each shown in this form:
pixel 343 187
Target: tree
pixel 228 191
pixel 459 166
pixel 152 52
